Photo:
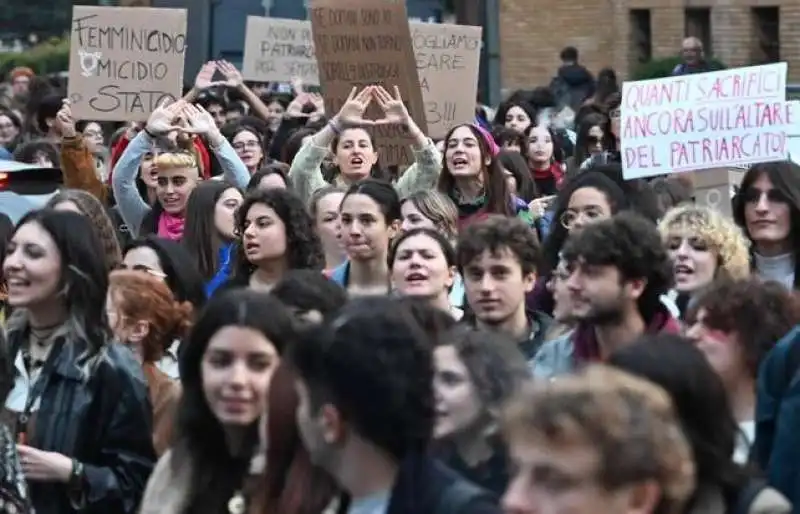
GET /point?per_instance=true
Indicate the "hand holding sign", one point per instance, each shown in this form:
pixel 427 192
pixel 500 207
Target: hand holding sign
pixel 65 123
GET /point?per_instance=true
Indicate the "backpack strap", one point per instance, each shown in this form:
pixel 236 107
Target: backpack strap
pixel 748 495
pixel 458 495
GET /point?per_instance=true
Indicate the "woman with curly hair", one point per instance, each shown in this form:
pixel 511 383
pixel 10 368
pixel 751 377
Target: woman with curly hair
pixel 88 205
pixel 735 324
pixel 476 372
pixel 276 234
pixel 704 245
pixel 145 316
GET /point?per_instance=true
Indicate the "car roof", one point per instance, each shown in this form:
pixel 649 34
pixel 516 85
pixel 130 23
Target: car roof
pixel 12 166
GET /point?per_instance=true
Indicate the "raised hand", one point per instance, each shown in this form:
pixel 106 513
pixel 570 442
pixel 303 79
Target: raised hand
pixel 233 77
pixel 65 123
pixel 393 107
pixel 205 75
pixel 164 119
pixel 318 102
pixel 295 108
pixel 198 120
pixel 352 112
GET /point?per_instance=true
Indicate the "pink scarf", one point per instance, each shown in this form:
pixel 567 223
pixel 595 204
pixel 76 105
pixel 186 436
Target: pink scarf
pixel 170 226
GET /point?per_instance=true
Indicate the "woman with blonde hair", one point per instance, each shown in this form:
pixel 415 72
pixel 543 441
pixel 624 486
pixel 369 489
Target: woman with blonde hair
pixel 144 315
pixel 704 245
pixel 178 172
pixel 434 210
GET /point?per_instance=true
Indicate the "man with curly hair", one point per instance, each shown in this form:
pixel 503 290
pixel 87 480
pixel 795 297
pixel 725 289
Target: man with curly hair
pixel 617 270
pixel 367 412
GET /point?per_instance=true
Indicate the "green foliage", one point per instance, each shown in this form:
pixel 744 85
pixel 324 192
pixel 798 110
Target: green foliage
pixel 660 68
pixel 48 57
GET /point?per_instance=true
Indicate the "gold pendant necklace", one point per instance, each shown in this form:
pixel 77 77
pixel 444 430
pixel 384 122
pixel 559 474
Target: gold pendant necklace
pixel 236 505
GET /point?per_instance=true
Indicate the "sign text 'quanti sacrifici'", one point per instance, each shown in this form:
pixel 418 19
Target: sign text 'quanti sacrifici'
pixel 707 120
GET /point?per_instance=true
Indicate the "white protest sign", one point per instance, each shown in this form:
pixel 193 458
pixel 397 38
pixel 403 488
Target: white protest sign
pixel 278 50
pixel 719 119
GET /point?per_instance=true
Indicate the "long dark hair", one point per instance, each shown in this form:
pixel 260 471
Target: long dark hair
pixel 376 171
pixel 216 474
pixel 582 136
pixel 303 247
pixel 84 277
pixel 498 197
pixel 292 484
pixel 558 233
pixel 183 277
pixel 700 401
pixel 200 235
pixel 785 177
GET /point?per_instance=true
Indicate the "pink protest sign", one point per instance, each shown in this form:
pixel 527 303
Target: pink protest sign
pixel 720 119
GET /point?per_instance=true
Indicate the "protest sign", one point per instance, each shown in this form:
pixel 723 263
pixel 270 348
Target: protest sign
pixel 447 57
pixel 448 60
pixel 364 42
pixel 707 120
pixel 124 61
pixel 278 50
pixel 714 188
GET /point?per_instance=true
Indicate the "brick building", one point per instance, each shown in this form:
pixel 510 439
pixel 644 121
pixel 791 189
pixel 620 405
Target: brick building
pixel 622 33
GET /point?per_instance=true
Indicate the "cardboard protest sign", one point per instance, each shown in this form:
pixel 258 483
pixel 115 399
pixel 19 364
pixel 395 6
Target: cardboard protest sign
pixel 364 42
pixel 448 61
pixel 124 61
pixel 707 120
pixel 715 187
pixel 277 50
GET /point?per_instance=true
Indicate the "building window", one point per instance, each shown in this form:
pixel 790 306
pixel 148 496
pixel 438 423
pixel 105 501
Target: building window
pixel 697 23
pixel 641 43
pixel 766 35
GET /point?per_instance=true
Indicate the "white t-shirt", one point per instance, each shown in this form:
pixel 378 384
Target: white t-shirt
pixel 744 441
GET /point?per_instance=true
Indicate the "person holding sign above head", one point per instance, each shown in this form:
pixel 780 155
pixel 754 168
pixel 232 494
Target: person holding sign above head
pixel 178 172
pixel 355 152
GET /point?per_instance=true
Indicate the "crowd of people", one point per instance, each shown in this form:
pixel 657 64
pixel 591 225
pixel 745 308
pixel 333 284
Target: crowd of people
pixel 233 307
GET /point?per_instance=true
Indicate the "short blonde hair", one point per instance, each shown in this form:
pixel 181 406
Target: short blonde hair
pixel 721 234
pixel 438 208
pixel 629 421
pixel 175 160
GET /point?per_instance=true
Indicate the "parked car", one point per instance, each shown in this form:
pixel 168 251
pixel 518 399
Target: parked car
pixel 25 187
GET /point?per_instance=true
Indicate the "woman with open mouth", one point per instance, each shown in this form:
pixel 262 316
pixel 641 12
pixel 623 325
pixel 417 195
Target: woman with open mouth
pixel 704 245
pixel 276 234
pixel 79 406
pixel 355 151
pixel 423 264
pixel 473 177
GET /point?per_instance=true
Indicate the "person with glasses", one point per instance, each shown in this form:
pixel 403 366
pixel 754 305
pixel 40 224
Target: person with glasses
pixel 593 137
pixel 767 207
pixel 610 153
